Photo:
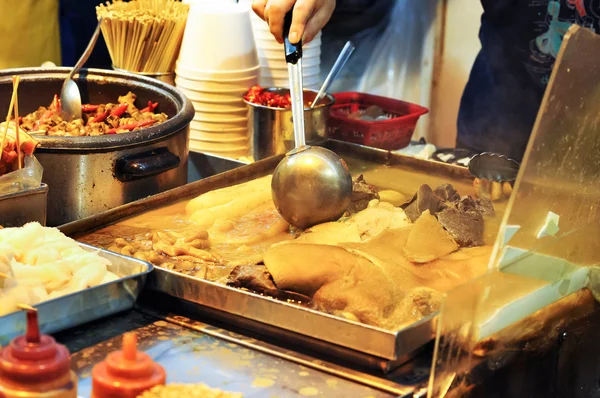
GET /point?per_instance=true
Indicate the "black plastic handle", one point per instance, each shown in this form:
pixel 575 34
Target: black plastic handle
pixel 145 164
pixel 293 52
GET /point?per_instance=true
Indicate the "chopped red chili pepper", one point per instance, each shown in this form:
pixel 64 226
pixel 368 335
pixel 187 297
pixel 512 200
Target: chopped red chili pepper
pixel 56 105
pixel 150 108
pixel 47 115
pixel 260 96
pixel 100 117
pixel 89 108
pixel 120 109
pixel 132 126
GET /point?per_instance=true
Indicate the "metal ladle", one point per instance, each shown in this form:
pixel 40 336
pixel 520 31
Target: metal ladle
pixel 311 185
pixel 335 70
pixel 70 97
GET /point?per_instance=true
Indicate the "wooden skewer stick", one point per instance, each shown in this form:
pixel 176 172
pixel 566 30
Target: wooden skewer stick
pixel 10 110
pixel 4 276
pixel 26 307
pixel 16 80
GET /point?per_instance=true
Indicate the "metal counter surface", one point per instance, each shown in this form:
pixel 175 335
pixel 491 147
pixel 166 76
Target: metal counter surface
pixel 194 357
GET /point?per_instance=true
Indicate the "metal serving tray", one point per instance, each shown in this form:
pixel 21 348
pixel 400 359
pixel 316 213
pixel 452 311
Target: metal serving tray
pixel 352 341
pixel 19 208
pixel 87 305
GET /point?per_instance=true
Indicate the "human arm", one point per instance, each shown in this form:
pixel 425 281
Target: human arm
pixel 308 18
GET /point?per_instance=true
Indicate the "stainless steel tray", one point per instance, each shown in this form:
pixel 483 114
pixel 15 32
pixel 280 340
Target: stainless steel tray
pixel 356 342
pixel 87 305
pixel 17 209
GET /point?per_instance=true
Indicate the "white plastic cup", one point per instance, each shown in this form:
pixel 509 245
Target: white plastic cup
pixel 215 85
pixel 203 108
pixel 285 83
pixel 276 54
pixel 283 74
pixel 218 36
pixel 281 64
pixel 203 74
pixel 227 151
pixel 218 126
pixel 221 117
pixel 222 144
pixel 222 136
pixel 306 70
pixel 217 96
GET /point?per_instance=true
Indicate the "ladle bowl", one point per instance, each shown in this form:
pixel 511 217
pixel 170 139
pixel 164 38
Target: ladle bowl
pixel 311 185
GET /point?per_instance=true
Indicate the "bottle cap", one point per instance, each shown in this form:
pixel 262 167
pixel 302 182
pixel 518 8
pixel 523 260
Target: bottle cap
pixel 126 373
pixel 34 358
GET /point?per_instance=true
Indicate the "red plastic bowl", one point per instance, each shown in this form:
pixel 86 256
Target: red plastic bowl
pixel 393 133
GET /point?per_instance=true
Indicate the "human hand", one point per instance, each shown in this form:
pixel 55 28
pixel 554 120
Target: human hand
pixel 309 17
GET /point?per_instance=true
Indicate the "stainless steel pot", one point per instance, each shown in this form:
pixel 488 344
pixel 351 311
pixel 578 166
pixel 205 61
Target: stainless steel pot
pixel 87 175
pixel 271 130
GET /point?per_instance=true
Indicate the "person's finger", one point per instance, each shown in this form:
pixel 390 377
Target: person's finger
pixel 303 10
pixel 318 21
pixel 275 13
pixel 258 6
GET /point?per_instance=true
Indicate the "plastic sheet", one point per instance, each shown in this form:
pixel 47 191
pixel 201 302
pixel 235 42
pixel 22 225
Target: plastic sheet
pixel 392 59
pixel 29 177
pixel 547 250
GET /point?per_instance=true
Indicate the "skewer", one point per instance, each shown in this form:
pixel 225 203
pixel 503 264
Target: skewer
pixel 5 276
pixel 10 111
pixel 26 307
pixel 16 80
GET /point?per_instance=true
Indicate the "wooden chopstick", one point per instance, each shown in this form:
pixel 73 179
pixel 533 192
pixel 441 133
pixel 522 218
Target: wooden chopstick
pixel 10 111
pixel 26 307
pixel 16 80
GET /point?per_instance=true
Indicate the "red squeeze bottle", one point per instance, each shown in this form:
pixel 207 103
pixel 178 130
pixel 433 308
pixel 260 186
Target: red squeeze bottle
pixel 35 366
pixel 126 373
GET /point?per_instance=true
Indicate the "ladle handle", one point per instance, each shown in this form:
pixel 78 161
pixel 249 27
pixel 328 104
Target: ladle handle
pixel 88 51
pixel 293 52
pixel 335 70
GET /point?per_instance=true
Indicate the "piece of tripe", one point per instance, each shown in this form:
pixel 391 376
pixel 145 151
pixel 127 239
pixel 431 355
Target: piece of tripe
pixel 428 240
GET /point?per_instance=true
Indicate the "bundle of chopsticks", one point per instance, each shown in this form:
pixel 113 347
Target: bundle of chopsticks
pixel 143 35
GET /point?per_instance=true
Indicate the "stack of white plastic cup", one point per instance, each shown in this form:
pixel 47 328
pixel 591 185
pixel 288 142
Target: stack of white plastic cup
pixel 217 64
pixel 271 56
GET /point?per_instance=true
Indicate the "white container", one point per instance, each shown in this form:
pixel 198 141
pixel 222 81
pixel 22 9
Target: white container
pixel 276 54
pixel 215 85
pixel 201 74
pixel 264 40
pixel 276 71
pixel 283 74
pixel 215 95
pixel 223 144
pixel 225 135
pixel 218 36
pixel 206 109
pixel 221 106
pixel 218 125
pixel 231 152
pixel 285 83
pixel 279 62
pixel 224 117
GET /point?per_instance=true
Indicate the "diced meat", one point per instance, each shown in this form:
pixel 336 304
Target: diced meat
pixel 362 194
pixel 425 199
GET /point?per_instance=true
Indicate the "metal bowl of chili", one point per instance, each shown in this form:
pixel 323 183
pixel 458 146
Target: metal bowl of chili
pixel 271 126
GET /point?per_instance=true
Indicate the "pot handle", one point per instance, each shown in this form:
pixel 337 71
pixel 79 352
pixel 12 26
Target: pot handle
pixel 145 164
